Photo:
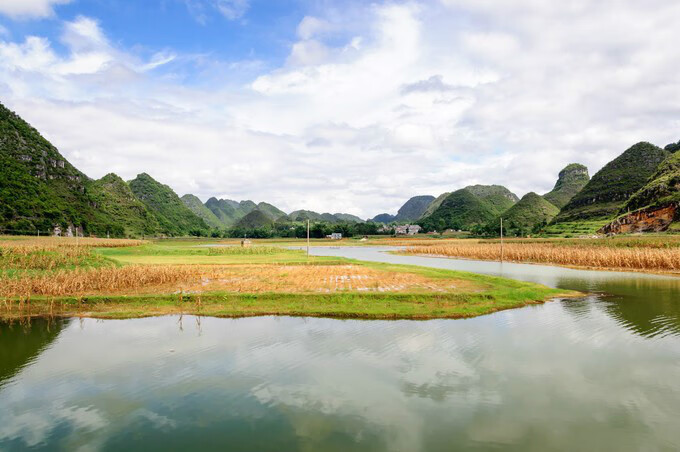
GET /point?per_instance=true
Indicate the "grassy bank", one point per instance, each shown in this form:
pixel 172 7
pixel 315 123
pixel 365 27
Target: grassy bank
pixel 179 277
pixel 497 295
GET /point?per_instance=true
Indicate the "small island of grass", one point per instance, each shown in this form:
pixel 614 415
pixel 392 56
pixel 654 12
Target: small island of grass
pixel 116 279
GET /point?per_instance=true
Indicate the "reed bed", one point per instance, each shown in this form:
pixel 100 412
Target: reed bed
pixel 99 280
pixel 149 279
pixel 625 258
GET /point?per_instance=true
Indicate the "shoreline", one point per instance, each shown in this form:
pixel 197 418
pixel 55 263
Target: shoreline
pixel 348 305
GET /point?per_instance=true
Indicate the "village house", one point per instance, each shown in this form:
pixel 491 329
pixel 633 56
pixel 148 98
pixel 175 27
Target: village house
pixel 407 229
pixel 335 236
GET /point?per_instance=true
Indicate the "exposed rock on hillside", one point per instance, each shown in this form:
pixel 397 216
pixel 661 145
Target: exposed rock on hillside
pixel 571 181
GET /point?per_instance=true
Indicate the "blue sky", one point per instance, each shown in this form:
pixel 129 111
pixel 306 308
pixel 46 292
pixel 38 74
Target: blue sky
pixel 342 105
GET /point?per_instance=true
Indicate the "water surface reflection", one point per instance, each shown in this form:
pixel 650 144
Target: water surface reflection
pixel 557 376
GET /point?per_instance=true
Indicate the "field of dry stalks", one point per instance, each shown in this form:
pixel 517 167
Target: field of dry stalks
pixel 577 255
pixel 149 279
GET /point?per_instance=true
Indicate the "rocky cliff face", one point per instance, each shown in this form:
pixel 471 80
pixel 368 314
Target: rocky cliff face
pixel 651 219
pixel 571 180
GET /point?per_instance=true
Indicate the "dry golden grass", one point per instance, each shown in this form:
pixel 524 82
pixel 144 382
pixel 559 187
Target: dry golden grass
pixel 649 259
pixel 146 279
pixel 41 257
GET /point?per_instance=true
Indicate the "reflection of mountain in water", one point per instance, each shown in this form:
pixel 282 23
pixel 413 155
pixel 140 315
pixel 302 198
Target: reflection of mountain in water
pixel 21 344
pixel 647 307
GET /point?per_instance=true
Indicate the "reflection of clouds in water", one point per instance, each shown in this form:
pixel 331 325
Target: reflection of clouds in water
pixel 33 427
pixel 539 372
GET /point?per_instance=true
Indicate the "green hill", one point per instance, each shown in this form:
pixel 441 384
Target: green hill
pixel 531 211
pixel 673 147
pixel 271 211
pixel 496 197
pixel 414 208
pixel 173 215
pixel 348 218
pixel 224 210
pixel 229 212
pixel 114 198
pixel 461 210
pixel 656 206
pixel 609 189
pixel 197 207
pixel 662 188
pixel 329 218
pixel 255 219
pixel 435 204
pixel 383 218
pixel 304 215
pixel 40 189
pixel 571 180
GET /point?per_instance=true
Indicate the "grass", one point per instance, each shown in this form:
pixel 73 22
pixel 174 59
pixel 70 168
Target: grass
pixel 568 229
pixel 180 277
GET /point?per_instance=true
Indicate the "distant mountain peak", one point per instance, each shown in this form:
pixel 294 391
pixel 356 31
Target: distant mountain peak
pixel 570 181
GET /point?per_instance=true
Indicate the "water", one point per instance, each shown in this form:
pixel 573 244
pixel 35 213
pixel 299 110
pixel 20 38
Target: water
pixel 600 373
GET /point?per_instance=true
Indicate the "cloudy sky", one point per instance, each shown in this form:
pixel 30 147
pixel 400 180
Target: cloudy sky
pixel 342 105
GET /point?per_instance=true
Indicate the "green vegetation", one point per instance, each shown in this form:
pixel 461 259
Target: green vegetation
pixel 131 217
pixel 416 306
pixel 496 197
pixel 304 215
pixel 384 218
pixel 570 182
pixel 271 211
pixel 226 210
pixel 573 228
pixel 529 215
pixel 39 189
pixel 610 188
pixel 461 210
pixel 198 208
pixel 173 215
pixel 347 218
pixel 414 208
pixel 673 147
pixel 434 205
pixel 662 189
pixel 255 219
pixel 167 252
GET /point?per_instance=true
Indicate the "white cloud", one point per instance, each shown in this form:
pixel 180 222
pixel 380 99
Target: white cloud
pixel 22 9
pixel 411 99
pixel 310 27
pixel 230 9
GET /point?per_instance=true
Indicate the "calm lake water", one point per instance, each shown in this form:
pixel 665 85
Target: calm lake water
pixel 600 373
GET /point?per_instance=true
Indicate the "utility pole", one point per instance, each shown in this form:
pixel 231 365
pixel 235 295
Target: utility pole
pixel 501 239
pixel 307 239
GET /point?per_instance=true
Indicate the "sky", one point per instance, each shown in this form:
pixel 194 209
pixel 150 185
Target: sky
pixel 342 106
